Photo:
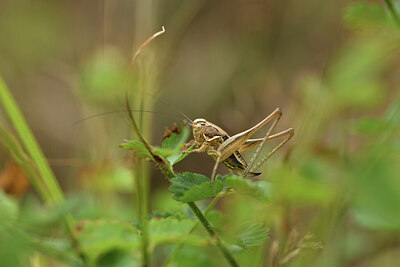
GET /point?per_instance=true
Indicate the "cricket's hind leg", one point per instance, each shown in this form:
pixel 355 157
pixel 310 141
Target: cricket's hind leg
pixel 217 160
pixel 289 133
pixel 277 114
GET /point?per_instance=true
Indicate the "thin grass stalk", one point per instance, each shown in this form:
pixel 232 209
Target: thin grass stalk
pixel 19 156
pixel 30 144
pixel 142 176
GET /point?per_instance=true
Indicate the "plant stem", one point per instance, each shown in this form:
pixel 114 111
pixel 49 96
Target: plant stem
pixel 142 211
pixel 179 246
pixel 212 233
pixel 393 11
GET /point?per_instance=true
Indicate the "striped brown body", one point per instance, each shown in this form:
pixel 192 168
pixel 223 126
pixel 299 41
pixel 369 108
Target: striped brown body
pixel 210 135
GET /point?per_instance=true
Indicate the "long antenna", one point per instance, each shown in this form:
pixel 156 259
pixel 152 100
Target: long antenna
pixel 169 104
pixel 123 111
pixel 177 109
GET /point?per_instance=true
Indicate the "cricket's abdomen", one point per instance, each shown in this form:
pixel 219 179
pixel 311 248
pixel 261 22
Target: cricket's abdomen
pixel 236 163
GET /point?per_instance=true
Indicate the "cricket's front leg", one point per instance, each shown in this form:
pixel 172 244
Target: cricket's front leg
pixel 202 148
pixel 187 145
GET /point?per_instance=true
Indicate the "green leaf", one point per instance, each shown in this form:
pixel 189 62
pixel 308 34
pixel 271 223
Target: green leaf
pixel 173 159
pixel 170 148
pixel 195 257
pixel 188 187
pixel 175 140
pixel 138 147
pixel 174 143
pixel 253 235
pixel 117 258
pixel 174 230
pixel 258 189
pixel 97 237
pixel 368 16
pixel 8 207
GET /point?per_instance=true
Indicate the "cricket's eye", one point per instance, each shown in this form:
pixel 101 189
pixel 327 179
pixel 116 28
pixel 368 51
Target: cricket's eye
pixel 200 121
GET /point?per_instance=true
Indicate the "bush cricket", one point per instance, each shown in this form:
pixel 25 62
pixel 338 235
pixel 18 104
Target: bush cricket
pixel 211 139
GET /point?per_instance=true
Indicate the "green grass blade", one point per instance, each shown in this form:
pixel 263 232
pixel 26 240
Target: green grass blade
pixel 30 144
pixel 26 136
pixel 19 156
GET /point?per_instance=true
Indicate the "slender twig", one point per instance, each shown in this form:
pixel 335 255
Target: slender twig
pixel 145 44
pixel 393 11
pixel 140 177
pixel 212 233
pixel 180 245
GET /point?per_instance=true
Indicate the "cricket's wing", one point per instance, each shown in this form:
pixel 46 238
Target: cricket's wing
pixel 250 143
pixel 233 143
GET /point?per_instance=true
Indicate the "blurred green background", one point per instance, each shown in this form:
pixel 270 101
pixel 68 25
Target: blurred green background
pixel 331 66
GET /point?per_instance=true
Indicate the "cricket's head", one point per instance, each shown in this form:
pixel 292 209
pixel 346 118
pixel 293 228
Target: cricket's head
pixel 198 127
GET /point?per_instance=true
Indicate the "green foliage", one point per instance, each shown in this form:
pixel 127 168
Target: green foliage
pixel 370 126
pixel 23 231
pixel 100 237
pixel 193 256
pixel 8 207
pixel 138 147
pixel 171 147
pixel 337 179
pixel 354 76
pixel 176 140
pixel 257 189
pixel 46 176
pixel 188 187
pixel 174 230
pixel 299 189
pixel 174 143
pixel 368 16
pixel 109 178
pixel 102 74
pixel 254 235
